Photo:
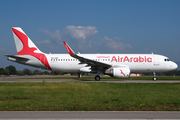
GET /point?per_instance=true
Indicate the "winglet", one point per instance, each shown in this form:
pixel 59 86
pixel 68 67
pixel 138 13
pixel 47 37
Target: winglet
pixel 70 51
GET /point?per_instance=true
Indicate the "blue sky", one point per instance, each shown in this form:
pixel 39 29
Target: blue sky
pixel 93 26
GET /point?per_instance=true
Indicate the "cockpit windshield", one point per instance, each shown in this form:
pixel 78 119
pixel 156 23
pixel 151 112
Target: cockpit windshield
pixel 166 59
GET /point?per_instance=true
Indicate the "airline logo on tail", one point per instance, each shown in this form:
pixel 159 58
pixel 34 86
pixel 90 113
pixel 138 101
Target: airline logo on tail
pixel 26 49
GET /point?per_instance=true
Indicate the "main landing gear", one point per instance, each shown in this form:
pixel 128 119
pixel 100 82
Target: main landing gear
pixel 97 78
pixel 154 76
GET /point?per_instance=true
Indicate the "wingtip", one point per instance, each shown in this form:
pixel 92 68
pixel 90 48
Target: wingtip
pixel 70 51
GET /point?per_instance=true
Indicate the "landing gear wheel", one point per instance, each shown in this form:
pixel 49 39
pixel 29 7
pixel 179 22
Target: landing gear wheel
pixel 97 78
pixel 154 76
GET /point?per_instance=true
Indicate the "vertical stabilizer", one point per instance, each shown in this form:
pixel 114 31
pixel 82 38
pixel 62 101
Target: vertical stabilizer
pixel 24 45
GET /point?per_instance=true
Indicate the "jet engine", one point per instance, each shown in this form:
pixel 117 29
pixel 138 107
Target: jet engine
pixel 118 72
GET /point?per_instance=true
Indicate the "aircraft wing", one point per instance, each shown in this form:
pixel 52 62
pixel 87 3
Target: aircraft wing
pixel 95 65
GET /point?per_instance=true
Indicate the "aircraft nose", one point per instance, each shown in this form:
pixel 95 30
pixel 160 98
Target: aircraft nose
pixel 171 65
pixel 174 66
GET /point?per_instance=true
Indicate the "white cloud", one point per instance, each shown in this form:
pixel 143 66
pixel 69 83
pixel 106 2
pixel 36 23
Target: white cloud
pixel 54 38
pixel 114 45
pixel 80 32
pixel 81 36
pixel 56 35
pixel 53 41
pixel 44 42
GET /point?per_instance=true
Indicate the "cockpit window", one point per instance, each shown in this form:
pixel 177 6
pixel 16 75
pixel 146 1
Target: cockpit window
pixel 166 59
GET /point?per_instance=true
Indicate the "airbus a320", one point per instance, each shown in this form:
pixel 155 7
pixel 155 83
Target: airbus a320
pixel 114 65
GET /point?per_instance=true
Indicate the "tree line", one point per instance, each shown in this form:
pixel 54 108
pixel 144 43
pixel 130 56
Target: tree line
pixel 11 70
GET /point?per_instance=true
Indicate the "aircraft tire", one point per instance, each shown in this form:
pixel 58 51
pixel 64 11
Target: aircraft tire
pixel 97 78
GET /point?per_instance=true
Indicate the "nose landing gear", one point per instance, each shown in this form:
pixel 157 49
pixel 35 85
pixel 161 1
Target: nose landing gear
pixel 154 76
pixel 97 78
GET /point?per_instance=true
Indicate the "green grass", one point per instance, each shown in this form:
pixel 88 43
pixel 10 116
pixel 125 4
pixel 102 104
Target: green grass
pixel 87 96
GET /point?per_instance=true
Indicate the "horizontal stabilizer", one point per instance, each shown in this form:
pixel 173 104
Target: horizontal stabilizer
pixel 15 57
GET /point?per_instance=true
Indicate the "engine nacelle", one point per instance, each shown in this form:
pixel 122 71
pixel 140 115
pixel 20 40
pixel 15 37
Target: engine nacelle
pixel 118 72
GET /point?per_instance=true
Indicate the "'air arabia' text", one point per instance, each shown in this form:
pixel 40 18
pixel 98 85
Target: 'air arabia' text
pixel 131 59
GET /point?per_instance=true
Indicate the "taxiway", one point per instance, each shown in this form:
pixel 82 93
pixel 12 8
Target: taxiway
pixel 40 79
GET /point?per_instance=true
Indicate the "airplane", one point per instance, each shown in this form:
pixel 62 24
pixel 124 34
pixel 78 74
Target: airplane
pixel 114 65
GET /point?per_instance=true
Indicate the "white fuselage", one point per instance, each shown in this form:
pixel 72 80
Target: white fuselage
pixel 136 62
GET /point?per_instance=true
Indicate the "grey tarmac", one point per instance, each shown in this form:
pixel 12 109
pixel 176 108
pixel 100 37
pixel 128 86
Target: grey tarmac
pixel 18 79
pixel 90 115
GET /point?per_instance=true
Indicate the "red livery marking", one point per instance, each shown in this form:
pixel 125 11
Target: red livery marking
pixel 131 59
pixel 30 51
pixel 68 49
pixel 126 58
pixel 113 59
pixel 103 56
pixel 122 72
